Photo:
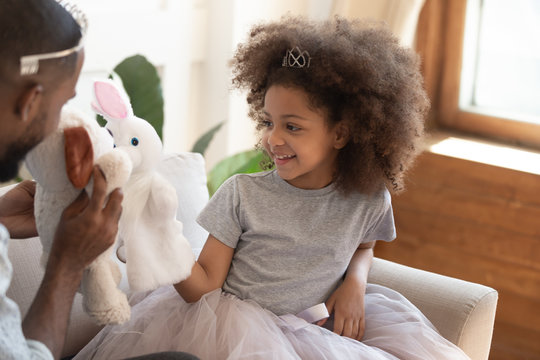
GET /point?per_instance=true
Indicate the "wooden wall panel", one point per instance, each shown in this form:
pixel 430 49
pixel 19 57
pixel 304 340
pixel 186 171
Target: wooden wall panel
pixel 479 223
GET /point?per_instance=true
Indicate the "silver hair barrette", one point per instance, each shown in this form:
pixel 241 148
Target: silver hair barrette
pixel 296 58
pixel 30 63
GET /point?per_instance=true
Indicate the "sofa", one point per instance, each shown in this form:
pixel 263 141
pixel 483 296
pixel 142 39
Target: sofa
pixel 462 311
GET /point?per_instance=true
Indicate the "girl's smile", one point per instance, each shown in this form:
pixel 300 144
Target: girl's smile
pixel 282 159
pixel 297 138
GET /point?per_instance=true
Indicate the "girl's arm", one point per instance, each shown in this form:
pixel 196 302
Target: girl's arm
pixel 347 302
pixel 209 271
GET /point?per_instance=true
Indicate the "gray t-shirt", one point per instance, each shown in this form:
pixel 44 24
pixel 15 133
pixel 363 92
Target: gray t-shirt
pixel 292 246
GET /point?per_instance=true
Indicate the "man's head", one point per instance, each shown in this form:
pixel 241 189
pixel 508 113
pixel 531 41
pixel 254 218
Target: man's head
pixel 30 103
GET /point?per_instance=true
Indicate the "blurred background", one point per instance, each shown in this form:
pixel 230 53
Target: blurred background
pixel 191 42
pixel 472 206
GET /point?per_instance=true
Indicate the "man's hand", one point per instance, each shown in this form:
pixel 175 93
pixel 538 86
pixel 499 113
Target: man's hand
pixel 17 210
pixel 347 304
pixel 88 226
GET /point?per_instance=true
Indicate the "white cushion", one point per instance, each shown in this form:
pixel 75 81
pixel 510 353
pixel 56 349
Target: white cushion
pixel 186 172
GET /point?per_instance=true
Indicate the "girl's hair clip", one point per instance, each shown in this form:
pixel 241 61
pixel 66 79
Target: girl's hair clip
pixel 296 58
pixel 30 63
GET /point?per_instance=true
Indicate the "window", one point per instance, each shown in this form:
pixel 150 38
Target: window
pixel 501 59
pixel 482 67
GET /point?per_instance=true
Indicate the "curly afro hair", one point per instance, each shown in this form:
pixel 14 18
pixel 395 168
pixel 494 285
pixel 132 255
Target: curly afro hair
pixel 360 75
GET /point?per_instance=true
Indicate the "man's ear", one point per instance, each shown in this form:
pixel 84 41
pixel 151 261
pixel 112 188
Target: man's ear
pixel 342 135
pixel 29 101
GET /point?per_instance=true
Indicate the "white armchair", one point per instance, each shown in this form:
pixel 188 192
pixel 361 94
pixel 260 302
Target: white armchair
pixel 463 312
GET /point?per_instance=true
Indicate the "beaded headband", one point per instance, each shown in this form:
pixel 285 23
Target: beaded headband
pixel 296 58
pixel 30 63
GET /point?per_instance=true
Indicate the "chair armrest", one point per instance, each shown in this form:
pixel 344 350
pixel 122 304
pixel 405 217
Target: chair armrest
pixel 462 311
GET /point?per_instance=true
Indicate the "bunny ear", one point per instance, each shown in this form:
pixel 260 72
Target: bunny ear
pixel 110 101
pixel 79 155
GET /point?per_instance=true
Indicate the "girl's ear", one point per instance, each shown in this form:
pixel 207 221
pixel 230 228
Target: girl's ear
pixel 342 135
pixel 29 101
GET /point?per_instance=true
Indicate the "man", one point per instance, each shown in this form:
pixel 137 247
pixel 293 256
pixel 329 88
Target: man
pixel 33 90
pixel 30 103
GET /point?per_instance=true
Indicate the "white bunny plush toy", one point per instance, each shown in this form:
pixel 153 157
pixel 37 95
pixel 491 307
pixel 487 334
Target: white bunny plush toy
pixel 156 252
pixel 62 165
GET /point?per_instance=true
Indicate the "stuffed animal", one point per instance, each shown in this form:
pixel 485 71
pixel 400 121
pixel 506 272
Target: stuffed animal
pixel 156 252
pixel 62 166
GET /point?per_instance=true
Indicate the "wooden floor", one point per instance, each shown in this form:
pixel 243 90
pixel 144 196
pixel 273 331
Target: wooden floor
pixel 478 223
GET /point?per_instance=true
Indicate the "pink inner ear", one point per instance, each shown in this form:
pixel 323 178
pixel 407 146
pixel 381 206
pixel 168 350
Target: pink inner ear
pixel 110 100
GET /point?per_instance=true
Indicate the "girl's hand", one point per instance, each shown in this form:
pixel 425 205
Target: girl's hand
pixel 347 304
pixel 17 210
pixel 209 271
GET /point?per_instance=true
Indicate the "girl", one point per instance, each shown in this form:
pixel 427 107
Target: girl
pixel 340 108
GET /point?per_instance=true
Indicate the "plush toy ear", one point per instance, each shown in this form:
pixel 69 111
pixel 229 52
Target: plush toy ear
pixel 79 156
pixel 110 101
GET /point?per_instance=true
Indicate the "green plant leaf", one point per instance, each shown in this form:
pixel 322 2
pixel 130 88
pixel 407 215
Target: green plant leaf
pixel 242 163
pixel 202 143
pixel 101 120
pixel 143 86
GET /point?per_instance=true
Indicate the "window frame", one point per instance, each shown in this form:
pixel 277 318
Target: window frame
pixel 440 37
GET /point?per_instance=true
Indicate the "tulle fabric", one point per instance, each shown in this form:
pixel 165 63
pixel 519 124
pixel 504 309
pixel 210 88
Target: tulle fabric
pixel 221 326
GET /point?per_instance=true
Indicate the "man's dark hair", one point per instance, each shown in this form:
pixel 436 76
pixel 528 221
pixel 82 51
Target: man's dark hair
pixel 30 27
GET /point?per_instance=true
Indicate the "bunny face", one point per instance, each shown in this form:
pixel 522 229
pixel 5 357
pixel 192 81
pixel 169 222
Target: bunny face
pixel 139 140
pixel 133 135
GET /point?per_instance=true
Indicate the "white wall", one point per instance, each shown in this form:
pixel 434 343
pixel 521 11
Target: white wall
pixel 157 29
pixel 227 24
pixel 401 16
pixel 191 41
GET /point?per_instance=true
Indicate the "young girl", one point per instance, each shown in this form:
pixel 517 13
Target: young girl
pixel 340 108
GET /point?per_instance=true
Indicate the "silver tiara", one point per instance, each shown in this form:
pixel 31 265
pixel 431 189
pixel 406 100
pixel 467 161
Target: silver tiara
pixel 78 15
pixel 30 63
pixel 296 58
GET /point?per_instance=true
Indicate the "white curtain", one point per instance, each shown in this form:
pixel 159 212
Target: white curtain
pixel 400 15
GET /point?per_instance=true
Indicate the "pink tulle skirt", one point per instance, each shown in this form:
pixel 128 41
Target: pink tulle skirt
pixel 221 326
